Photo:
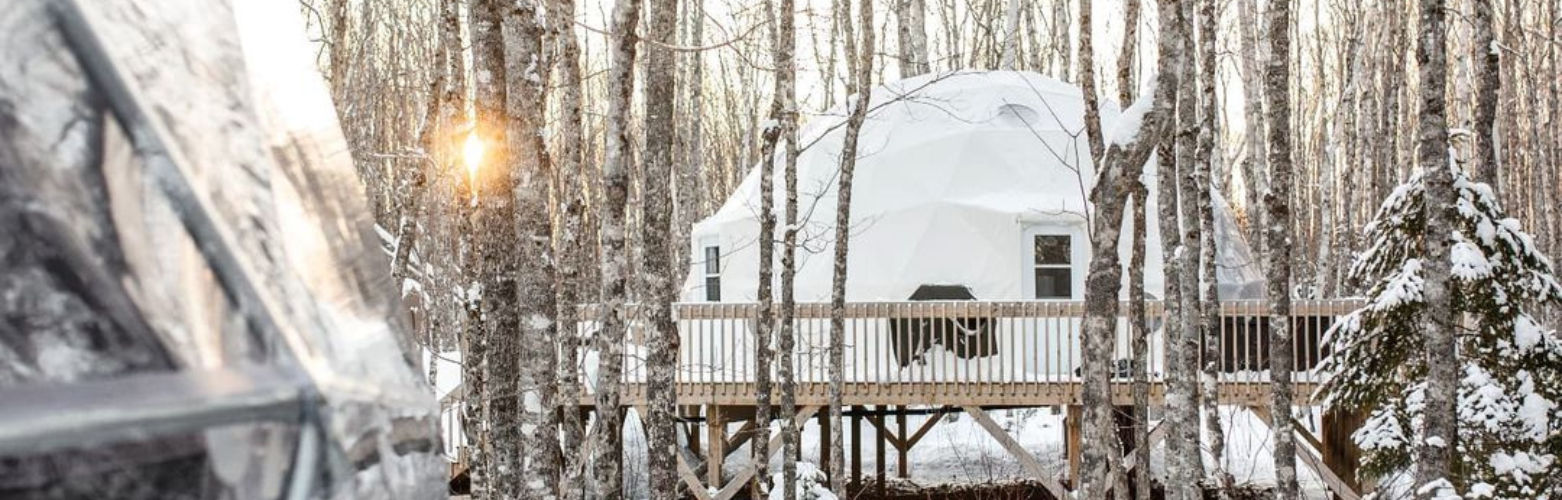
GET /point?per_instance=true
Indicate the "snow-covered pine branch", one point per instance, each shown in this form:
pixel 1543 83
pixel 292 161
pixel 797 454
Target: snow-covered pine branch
pixel 1511 366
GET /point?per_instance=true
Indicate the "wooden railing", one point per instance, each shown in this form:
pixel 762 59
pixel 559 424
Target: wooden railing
pixel 959 352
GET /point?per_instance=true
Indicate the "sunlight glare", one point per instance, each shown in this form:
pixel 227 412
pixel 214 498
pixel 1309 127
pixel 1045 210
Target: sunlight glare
pixel 472 153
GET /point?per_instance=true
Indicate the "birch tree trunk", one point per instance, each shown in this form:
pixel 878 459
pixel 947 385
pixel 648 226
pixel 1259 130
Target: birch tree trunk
pixel 1434 454
pixel 1011 36
pixel 862 89
pixel 530 173
pixel 1119 166
pixel 1141 350
pixel 1277 231
pixel 911 24
pixel 1130 52
pixel 786 105
pixel 765 332
pixel 607 468
pixel 1204 187
pixel 570 246
pixel 474 359
pixel 500 304
pixel 690 162
pixel 1060 60
pixel 661 94
pixel 1178 391
pixel 1138 327
pixel 1087 85
pixel 1253 161
pixel 1484 52
pixel 1182 407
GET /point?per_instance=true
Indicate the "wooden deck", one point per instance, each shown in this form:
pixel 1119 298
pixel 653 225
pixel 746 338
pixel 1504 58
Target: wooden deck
pixel 959 353
pixel 937 394
pixel 967 357
pixel 1024 353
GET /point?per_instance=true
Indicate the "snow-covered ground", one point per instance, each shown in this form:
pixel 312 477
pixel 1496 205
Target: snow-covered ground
pixel 959 450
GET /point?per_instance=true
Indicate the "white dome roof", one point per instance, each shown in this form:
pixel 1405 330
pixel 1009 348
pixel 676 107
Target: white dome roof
pixel 955 173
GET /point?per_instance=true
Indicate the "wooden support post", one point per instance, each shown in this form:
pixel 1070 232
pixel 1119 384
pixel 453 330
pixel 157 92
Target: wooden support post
pixel 1340 452
pixel 1071 441
pixel 692 429
pixel 881 464
pixel 716 430
pixel 856 464
pixel 824 442
pixel 903 467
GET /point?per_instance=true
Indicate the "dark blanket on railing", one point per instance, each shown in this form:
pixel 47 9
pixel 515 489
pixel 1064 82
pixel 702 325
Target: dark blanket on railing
pixel 966 337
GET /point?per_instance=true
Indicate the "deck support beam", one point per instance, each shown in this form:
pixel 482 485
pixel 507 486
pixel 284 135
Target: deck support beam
pixel 1309 456
pixel 824 443
pixel 742 479
pixel 902 466
pixel 1026 459
pixel 856 451
pixel 883 458
pixel 716 436
pixel 1072 441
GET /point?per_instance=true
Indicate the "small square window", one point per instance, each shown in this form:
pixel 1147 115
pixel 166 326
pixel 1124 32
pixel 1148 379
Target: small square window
pixel 1052 249
pixel 713 289
pixel 712 260
pixel 1054 283
pixel 713 274
pixel 1051 259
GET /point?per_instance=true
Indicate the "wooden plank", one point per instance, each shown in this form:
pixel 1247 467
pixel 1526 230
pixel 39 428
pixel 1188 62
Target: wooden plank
pixel 941 309
pixel 903 466
pixel 884 432
pixel 1157 434
pixel 742 436
pixel 856 470
pixel 740 481
pixel 716 430
pixel 825 443
pixel 881 464
pixel 686 472
pixel 1072 441
pixel 1026 459
pixel 927 426
pixel 1334 482
pixel 1310 458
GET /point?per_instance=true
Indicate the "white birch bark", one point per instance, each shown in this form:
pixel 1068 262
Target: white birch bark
pixel 608 433
pixel 1119 166
pixel 500 303
pixel 1277 231
pixel 862 88
pixel 1209 322
pixel 1183 394
pixel 1439 434
pixel 1254 167
pixel 570 247
pixel 530 173
pixel 1485 52
pixel 911 25
pixel 661 94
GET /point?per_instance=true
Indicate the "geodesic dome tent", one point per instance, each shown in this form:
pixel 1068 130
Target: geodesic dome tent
pixel 192 301
pixel 972 178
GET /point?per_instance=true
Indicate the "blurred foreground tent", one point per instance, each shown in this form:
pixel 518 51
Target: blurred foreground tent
pixel 191 305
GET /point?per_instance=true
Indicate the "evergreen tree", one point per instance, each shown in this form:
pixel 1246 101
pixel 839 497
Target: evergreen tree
pixel 1510 429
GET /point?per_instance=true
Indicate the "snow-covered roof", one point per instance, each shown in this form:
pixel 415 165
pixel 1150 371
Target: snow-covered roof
pixel 955 172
